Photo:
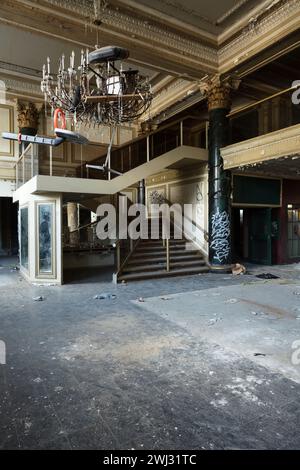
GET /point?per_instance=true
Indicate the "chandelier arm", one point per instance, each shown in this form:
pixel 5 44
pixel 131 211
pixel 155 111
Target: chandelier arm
pixel 115 68
pixel 96 73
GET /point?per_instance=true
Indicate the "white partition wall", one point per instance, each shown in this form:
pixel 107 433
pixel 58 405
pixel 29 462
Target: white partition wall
pixel 40 238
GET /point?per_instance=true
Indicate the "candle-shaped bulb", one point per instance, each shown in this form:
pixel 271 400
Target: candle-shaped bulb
pixel 63 62
pixel 48 65
pixel 44 71
pixel 72 60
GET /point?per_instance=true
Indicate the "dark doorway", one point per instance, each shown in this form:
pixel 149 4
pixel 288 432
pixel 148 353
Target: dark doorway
pixel 8 227
pixel 260 236
pixel 252 230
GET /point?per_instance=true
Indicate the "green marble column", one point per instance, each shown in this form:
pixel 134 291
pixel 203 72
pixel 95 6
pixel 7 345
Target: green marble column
pixel 219 192
pixel 218 92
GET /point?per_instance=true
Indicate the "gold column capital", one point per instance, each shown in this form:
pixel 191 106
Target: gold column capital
pixel 28 115
pixel 218 91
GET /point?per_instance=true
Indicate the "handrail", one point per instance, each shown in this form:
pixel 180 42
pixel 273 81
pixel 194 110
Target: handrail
pixel 84 226
pixel 146 139
pixel 120 265
pixel 263 100
pixel 21 164
pixel 23 154
pixel 168 253
pixel 205 232
pixel 148 134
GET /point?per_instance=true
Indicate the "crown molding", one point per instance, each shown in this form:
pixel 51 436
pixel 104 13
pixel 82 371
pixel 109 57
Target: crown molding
pixel 21 87
pixel 149 31
pixel 168 49
pixel 260 33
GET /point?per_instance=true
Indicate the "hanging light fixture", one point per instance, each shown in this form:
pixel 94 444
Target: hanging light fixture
pixel 98 91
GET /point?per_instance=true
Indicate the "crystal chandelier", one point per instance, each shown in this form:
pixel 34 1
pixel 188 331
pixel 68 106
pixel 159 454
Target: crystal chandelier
pixel 99 91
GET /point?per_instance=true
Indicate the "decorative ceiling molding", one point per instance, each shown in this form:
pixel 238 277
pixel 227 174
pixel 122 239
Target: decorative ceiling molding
pixel 29 88
pixel 230 12
pixel 175 98
pixel 263 148
pixel 135 26
pixel 19 69
pixel 257 34
pixel 160 44
pixel 180 7
pixel 183 55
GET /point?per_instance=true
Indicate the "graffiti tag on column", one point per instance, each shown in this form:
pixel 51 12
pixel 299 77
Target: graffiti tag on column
pixel 220 232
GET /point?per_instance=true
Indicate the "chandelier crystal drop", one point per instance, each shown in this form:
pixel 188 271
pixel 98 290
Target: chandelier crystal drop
pixel 99 91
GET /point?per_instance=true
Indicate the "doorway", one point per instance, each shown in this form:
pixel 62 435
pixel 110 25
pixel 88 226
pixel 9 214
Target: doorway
pixel 254 230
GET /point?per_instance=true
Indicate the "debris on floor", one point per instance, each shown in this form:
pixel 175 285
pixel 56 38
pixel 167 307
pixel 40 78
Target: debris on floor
pixel 105 295
pixel 267 276
pixel 40 298
pixel 15 268
pixel 259 354
pixel 231 301
pixel 140 299
pixel 238 269
pixel 212 321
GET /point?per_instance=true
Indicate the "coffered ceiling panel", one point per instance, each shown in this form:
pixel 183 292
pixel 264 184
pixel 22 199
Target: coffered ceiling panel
pixel 212 15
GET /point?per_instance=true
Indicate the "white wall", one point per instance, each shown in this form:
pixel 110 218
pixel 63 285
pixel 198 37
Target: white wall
pixel 32 274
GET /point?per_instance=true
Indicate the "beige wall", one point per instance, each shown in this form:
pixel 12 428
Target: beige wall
pixel 187 186
pixel 8 149
pixel 66 158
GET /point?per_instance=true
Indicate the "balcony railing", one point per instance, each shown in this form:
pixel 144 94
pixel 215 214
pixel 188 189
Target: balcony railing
pixel 41 160
pixel 141 150
pixel 27 165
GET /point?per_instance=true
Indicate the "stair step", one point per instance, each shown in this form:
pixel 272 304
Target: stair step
pixel 162 265
pixel 162 253
pixel 162 259
pixel 162 273
pixel 160 242
pixel 153 249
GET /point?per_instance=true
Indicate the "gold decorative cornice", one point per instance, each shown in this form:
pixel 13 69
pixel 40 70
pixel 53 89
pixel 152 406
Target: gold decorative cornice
pixel 217 91
pixel 28 115
pixel 271 146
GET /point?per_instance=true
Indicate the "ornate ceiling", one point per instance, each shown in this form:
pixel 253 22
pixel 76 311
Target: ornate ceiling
pixel 212 16
pixel 175 42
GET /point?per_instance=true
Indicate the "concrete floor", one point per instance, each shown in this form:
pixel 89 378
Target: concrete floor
pixel 175 371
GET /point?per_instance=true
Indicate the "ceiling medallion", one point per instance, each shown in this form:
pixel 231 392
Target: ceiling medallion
pixel 100 91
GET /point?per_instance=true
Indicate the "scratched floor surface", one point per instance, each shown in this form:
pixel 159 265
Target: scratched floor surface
pixel 176 369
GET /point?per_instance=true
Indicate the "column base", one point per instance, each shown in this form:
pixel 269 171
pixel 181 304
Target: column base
pixel 226 268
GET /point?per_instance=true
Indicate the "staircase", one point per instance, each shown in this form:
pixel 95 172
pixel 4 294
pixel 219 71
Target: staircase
pixel 149 260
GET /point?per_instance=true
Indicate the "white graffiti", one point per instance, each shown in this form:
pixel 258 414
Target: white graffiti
pixel 220 234
pixel 2 353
